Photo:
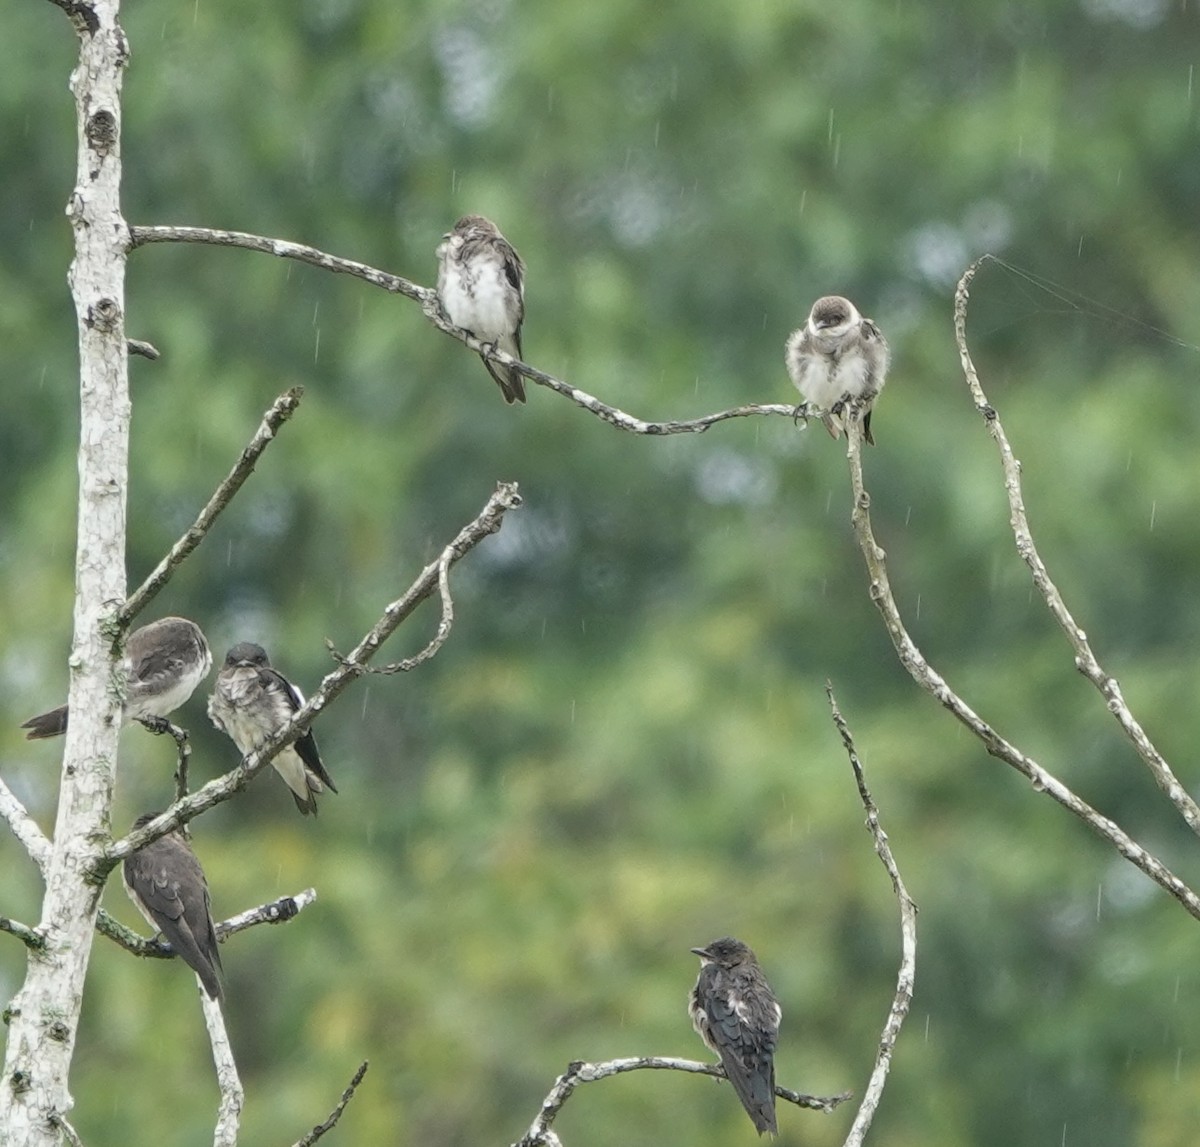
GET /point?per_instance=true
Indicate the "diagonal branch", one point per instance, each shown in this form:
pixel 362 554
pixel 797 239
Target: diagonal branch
pixel 229 1111
pixel 350 667
pixel 908 941
pixel 281 410
pixel 933 683
pixel 336 1114
pixel 432 309
pixel 24 828
pixel 32 939
pixel 1085 659
pixel 541 1135
pixel 275 912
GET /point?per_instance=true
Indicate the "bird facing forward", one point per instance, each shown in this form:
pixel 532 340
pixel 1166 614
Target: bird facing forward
pixel 167 886
pixel 838 357
pixel 163 663
pixel 481 284
pixel 250 701
pixel 735 1012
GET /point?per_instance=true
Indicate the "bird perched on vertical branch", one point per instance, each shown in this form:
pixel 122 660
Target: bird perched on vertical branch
pixel 250 701
pixel 163 663
pixel 481 284
pixel 838 357
pixel 167 886
pixel 737 1016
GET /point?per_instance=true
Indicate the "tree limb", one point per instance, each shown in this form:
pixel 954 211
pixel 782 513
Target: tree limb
pixel 933 683
pixel 336 1114
pixel 350 667
pixel 541 1135
pixel 32 940
pixel 908 941
pixel 232 1096
pixel 432 309
pixel 281 410
pixel 24 828
pixel 274 912
pixel 1085 659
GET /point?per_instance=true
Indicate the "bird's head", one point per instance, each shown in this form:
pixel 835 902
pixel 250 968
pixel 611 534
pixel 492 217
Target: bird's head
pixel 725 953
pixel 247 654
pixel 833 315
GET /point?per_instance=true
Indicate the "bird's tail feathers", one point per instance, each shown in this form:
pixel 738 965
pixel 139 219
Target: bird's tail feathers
pixel 46 725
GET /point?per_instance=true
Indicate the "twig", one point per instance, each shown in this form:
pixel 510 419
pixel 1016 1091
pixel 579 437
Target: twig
pixel 59 1120
pixel 932 682
pixel 1085 659
pixel 281 410
pixel 275 912
pixel 336 1113
pixel 232 1096
pixel 351 667
pixel 908 941
pixel 145 349
pixel 32 940
pixel 540 1134
pixel 24 828
pixel 82 13
pixel 439 638
pixel 431 307
pixel 160 725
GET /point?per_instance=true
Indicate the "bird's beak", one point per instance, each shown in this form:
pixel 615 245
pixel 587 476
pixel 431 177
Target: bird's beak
pixel 703 953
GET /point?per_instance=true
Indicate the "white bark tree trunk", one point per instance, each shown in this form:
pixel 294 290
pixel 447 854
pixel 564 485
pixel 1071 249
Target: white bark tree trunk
pixel 44 1015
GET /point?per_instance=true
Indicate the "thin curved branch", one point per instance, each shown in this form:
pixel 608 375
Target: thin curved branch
pixel 336 1114
pixel 24 828
pixel 541 1135
pixel 281 410
pixel 274 912
pixel 908 941
pixel 351 667
pixel 933 683
pixel 1085 659
pixel 431 307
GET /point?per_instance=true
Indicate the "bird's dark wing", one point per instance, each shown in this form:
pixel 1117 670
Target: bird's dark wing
pixel 52 724
pixel 167 879
pixel 305 746
pixel 746 1045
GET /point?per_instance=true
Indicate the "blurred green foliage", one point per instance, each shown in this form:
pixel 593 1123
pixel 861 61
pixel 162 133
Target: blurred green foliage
pixel 624 749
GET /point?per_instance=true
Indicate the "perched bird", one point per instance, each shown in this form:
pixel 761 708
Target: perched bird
pixel 736 1014
pixel 250 702
pixel 167 886
pixel 838 357
pixel 163 663
pixel 481 283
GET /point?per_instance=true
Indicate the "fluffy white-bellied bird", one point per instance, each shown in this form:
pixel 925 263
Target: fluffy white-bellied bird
pixel 167 886
pixel 481 283
pixel 250 701
pixel 838 357
pixel 736 1014
pixel 163 663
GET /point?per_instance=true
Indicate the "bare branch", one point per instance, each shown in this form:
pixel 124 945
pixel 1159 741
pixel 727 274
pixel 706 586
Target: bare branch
pixel 82 14
pixel 908 941
pixel 275 912
pixel 281 410
pixel 59 1120
pixel 932 682
pixel 144 349
pixel 432 310
pixel 540 1134
pixel 439 638
pixel 336 1113
pixel 24 828
pixel 232 1096
pixel 32 940
pixel 351 667
pixel 1085 659
pixel 160 725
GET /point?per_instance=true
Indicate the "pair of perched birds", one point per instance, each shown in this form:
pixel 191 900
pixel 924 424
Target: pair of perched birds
pixel 164 662
pixel 838 359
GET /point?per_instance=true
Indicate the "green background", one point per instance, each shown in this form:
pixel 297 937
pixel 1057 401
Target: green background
pixel 624 748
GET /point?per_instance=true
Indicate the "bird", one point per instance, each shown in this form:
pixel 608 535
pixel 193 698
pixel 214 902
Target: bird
pixel 163 663
pixel 481 285
pixel 250 701
pixel 838 357
pixel 737 1016
pixel 167 886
